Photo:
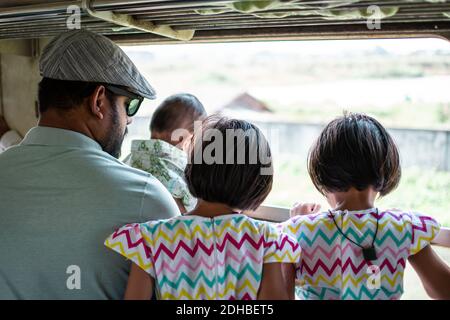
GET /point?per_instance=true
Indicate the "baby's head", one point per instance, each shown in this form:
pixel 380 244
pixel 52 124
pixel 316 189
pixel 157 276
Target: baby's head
pixel 176 112
pixel 354 152
pixel 230 163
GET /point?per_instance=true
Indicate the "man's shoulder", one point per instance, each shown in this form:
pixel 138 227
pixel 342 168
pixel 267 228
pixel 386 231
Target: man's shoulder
pixel 157 202
pixel 126 177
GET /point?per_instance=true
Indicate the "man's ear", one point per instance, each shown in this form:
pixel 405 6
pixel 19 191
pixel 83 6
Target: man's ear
pixel 97 102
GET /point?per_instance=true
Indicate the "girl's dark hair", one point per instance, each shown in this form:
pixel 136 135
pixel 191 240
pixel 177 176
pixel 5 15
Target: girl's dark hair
pixel 240 174
pixel 354 151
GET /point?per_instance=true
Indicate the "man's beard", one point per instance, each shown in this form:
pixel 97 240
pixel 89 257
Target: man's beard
pixel 114 140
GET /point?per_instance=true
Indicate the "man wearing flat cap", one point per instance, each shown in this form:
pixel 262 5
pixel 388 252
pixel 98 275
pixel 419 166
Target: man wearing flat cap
pixel 62 189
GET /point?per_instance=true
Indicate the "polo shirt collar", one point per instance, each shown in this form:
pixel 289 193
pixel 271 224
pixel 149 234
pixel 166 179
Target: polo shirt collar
pixel 49 136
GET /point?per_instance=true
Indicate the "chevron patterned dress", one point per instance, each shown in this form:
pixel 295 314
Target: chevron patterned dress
pixel 332 267
pixel 193 257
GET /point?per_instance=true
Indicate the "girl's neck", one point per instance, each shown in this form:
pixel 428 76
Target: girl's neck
pixel 354 200
pixel 211 209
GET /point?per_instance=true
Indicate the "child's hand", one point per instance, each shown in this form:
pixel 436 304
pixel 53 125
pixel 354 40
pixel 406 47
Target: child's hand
pixel 301 209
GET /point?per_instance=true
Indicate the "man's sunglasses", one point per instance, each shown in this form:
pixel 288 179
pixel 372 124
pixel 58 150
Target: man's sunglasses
pixel 133 105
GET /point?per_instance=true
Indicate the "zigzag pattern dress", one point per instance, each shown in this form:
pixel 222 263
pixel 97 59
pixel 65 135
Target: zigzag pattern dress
pixel 193 257
pixel 331 267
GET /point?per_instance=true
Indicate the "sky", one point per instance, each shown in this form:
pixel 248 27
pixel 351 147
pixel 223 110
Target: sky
pixel 395 46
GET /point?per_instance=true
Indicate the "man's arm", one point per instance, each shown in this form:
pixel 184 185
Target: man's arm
pixel 8 137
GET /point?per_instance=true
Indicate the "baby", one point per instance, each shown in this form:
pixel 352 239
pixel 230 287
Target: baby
pixel 164 155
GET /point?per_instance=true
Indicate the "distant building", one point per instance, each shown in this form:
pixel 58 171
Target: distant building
pixel 246 102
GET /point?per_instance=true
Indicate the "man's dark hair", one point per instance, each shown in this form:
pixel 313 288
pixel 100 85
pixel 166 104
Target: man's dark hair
pixel 354 151
pixel 65 95
pixel 236 183
pixel 177 111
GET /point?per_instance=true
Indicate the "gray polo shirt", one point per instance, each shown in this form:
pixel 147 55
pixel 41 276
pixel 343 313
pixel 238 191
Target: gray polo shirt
pixel 61 196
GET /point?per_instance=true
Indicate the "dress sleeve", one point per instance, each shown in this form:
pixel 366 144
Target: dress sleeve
pixel 423 230
pixel 280 247
pixel 131 243
pixel 291 227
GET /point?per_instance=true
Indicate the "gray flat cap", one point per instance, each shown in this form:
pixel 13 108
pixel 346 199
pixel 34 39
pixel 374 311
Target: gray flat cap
pixel 81 55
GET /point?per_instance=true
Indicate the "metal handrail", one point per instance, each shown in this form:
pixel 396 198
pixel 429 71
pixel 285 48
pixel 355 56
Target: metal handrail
pixel 279 214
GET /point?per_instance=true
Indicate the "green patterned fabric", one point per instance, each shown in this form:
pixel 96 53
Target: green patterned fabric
pixel 326 11
pixel 166 163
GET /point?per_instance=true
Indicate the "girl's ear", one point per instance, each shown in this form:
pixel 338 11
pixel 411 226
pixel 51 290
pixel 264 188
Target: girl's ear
pixel 97 102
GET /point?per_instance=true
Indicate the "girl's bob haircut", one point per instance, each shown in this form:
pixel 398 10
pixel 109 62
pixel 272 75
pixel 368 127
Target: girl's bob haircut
pixel 229 162
pixel 354 151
